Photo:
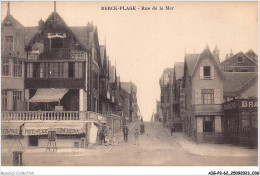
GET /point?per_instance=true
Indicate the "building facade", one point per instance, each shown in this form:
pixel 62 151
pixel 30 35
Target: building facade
pixel 56 78
pixel 203 83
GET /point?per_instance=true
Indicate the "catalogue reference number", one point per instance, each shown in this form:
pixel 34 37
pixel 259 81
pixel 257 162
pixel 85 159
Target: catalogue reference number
pixel 233 173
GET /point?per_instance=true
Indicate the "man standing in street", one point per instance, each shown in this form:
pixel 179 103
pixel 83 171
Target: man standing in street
pixel 125 132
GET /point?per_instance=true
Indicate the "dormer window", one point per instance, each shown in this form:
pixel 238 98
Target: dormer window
pixel 207 72
pixel 239 60
pixel 56 40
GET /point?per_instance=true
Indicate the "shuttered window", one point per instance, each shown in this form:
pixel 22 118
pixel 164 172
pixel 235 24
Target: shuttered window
pixel 207 72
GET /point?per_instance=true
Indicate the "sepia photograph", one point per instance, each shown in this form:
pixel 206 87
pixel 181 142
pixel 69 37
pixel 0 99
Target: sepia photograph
pixel 134 83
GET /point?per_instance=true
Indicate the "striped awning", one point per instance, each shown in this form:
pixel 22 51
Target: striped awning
pixel 48 95
pixel 10 128
pixel 42 128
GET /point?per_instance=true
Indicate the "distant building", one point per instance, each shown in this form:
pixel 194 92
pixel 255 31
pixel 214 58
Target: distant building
pixel 178 97
pixel 131 89
pixel 158 114
pixel 241 62
pixel 166 82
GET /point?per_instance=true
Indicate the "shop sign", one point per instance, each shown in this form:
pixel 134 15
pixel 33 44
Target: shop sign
pixel 45 131
pixel 249 104
pixel 230 106
pixel 241 104
pixel 9 132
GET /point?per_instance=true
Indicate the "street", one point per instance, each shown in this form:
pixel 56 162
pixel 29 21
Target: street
pixel 157 148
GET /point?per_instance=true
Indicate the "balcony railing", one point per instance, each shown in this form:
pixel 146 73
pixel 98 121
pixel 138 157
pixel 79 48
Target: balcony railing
pixel 51 115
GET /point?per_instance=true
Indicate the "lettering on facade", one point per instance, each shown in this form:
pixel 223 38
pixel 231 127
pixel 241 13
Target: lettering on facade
pixel 10 131
pixel 45 131
pixel 250 104
pixel 230 106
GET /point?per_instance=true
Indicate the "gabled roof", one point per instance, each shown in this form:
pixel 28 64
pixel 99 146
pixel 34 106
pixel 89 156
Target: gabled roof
pixel 234 56
pixel 127 86
pixel 102 53
pixel 56 16
pixel 9 19
pixel 179 70
pixel 236 82
pixel 166 72
pixel 29 33
pixel 207 52
pixel 191 60
pixel 252 55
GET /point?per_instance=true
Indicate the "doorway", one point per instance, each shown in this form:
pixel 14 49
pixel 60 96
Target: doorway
pixel 33 140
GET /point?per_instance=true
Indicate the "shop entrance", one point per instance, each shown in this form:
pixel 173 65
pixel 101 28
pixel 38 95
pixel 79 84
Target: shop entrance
pixel 33 140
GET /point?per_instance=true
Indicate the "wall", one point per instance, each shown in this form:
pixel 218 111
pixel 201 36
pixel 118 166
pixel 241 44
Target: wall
pixel 8 142
pixel 215 83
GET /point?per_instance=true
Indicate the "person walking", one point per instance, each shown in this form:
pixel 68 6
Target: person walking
pixel 142 129
pixel 101 137
pixel 136 134
pixel 125 132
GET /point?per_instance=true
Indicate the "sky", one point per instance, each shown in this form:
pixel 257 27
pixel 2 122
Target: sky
pixel 143 43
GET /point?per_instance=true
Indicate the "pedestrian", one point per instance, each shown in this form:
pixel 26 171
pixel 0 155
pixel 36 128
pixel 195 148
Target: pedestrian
pixel 142 129
pixel 125 132
pixel 136 134
pixel 172 129
pixel 101 137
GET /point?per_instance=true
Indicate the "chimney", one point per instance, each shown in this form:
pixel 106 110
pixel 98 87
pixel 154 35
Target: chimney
pixel 231 53
pixel 41 24
pixel 227 57
pixel 216 52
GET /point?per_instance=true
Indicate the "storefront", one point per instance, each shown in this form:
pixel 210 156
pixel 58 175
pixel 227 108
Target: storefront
pixel 241 119
pixel 209 124
pixel 35 134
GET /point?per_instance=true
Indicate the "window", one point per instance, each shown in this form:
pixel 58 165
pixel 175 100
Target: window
pixel 207 96
pixel 56 43
pixel 17 68
pixel 244 70
pixel 208 124
pixel 10 43
pixel 206 71
pixel 78 69
pixel 17 95
pixel 54 70
pixel 5 67
pixel 29 70
pixel 4 100
pixel 71 70
pixel 239 60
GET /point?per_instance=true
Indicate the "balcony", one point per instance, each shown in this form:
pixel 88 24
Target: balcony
pixel 55 54
pixel 52 116
pixel 209 108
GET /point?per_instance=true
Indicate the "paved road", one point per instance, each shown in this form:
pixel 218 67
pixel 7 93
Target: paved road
pixel 157 149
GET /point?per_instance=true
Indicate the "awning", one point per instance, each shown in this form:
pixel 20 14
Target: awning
pixel 42 128
pixel 48 95
pixel 10 128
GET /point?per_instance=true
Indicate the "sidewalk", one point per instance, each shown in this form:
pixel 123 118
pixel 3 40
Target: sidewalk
pixel 208 149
